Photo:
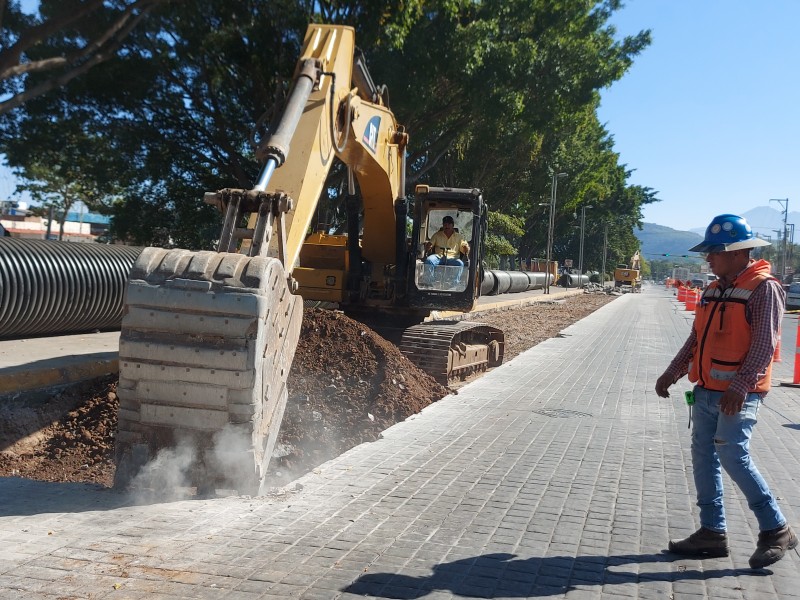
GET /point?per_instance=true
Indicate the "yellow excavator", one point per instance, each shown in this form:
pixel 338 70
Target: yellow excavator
pixel 629 278
pixel 208 338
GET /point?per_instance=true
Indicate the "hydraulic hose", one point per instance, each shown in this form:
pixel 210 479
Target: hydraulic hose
pixel 55 288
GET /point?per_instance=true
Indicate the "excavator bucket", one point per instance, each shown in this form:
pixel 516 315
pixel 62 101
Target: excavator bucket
pixel 205 350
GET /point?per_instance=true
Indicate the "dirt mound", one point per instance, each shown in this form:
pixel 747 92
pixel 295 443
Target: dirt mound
pixel 347 384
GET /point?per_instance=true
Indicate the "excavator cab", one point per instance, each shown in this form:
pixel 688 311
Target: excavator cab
pixel 437 273
pixel 450 283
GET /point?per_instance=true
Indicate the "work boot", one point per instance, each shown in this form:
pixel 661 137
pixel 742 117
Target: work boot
pixel 772 545
pixel 703 542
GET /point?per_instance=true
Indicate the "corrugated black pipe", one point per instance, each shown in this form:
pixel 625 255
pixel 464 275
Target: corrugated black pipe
pixel 55 288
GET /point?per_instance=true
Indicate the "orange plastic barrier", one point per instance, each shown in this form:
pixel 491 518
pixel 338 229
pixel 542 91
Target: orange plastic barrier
pixel 692 296
pixel 681 294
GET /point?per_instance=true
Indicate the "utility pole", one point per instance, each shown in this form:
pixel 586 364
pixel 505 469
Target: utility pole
pixel 583 227
pixel 551 227
pixel 784 202
pixel 605 244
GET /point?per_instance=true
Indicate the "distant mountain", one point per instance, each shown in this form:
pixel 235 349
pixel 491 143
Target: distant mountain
pixel 766 221
pixel 657 240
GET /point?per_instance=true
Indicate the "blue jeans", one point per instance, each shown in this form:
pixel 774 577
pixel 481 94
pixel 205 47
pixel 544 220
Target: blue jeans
pixel 722 440
pixel 434 260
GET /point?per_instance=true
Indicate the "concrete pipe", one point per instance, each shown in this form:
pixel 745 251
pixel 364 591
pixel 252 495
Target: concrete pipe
pixel 503 282
pixel 488 283
pixel 519 282
pixel 536 280
pixel 55 288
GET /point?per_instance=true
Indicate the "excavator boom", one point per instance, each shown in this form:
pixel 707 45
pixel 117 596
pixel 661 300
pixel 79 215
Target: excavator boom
pixel 208 337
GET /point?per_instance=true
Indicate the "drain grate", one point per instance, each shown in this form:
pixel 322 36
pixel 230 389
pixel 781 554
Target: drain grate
pixel 561 413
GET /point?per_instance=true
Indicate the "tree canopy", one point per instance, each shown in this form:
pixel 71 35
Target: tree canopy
pixel 496 94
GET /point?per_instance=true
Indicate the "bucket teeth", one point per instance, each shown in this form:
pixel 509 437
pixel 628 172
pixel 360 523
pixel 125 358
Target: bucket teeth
pixel 206 346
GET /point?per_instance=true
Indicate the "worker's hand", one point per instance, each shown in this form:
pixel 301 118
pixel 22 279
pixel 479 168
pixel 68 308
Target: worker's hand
pixel 731 403
pixel 464 248
pixel 662 385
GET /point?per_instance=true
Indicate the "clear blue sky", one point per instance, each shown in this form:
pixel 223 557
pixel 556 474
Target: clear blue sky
pixel 709 114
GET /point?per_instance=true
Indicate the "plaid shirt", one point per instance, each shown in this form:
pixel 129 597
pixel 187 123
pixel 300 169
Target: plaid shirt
pixel 764 312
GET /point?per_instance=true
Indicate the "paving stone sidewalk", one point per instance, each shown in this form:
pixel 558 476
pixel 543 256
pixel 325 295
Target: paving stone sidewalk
pixel 559 474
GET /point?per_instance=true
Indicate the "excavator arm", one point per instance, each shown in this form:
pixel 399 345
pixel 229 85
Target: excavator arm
pixel 333 110
pixel 208 337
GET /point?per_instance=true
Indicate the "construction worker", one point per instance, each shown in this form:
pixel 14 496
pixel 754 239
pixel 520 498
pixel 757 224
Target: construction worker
pixel 445 247
pixel 728 357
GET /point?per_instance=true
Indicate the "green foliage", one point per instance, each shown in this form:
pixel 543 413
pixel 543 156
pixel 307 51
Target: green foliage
pixel 61 41
pixel 504 231
pixel 496 94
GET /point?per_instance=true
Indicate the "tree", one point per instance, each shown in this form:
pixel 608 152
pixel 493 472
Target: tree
pixel 503 231
pixel 495 94
pixel 58 190
pixel 43 52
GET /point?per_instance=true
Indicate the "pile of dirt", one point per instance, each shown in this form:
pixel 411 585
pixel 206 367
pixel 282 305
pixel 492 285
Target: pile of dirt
pixel 347 385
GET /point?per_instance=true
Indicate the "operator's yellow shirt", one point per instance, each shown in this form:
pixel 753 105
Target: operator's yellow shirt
pixel 448 247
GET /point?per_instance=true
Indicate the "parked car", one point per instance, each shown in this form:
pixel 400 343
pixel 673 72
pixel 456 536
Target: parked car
pixel 793 297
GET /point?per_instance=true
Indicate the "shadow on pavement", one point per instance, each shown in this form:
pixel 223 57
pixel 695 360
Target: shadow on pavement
pixel 505 576
pixel 20 496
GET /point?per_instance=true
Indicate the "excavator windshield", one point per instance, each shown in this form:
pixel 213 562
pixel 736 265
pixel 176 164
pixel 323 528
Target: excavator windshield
pixel 444 249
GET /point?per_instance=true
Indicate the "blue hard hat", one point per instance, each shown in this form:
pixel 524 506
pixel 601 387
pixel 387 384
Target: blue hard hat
pixel 727 233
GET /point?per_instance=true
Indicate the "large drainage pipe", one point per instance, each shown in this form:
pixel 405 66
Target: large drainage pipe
pixel 55 288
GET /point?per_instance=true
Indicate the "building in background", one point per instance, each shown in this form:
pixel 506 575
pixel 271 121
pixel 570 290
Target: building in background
pixel 17 221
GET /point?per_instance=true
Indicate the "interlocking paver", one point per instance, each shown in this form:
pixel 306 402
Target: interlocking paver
pixel 559 474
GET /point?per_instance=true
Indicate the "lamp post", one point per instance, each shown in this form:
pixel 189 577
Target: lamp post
pixel 551 227
pixel 784 202
pixel 583 227
pixel 603 269
pixel 781 259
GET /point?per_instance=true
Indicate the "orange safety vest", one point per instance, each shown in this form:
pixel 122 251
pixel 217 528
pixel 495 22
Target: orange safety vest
pixel 723 332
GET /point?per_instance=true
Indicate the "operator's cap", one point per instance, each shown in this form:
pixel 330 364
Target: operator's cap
pixel 726 233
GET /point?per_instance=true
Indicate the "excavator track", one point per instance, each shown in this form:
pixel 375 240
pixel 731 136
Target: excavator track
pixel 205 350
pixel 453 349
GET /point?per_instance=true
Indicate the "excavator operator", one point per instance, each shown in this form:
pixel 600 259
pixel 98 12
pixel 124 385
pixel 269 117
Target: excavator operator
pixel 444 249
pixel 446 245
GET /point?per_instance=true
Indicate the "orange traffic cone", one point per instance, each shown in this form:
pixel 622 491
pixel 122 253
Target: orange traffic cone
pixel 776 356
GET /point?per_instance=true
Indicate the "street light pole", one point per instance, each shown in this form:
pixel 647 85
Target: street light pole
pixel 603 269
pixel 780 258
pixel 551 227
pixel 784 202
pixel 583 226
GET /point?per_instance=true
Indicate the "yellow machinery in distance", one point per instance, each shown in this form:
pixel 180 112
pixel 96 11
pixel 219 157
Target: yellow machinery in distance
pixel 629 278
pixel 208 337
